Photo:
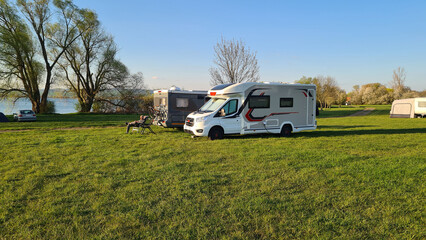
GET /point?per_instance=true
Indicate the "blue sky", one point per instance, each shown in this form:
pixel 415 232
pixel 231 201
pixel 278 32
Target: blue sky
pixel 356 42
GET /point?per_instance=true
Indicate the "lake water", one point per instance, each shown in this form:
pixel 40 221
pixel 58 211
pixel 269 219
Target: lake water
pixel 62 105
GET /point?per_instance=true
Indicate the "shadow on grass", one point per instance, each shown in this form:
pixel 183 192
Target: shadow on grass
pixel 84 117
pixel 334 133
pixel 360 132
pixel 345 127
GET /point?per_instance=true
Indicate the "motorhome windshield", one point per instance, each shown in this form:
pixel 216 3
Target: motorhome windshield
pixel 212 104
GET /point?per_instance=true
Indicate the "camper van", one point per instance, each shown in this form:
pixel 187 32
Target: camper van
pixel 173 105
pixel 248 108
pixel 409 108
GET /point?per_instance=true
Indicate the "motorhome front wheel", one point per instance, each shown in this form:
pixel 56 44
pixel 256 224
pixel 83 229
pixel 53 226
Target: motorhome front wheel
pixel 216 133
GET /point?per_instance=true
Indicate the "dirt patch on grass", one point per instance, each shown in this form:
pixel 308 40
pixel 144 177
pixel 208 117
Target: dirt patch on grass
pixel 68 128
pixel 362 113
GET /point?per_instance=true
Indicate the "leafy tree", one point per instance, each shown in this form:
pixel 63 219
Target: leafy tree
pixel 46 32
pixel 20 70
pixel 355 95
pixel 306 80
pixel 327 90
pixel 341 97
pixel 372 93
pixel 54 35
pixel 91 68
pixel 235 63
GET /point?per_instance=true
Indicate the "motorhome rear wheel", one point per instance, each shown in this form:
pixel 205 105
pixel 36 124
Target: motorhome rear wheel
pixel 286 131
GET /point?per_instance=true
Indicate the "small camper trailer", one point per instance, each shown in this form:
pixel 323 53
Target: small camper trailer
pixel 3 118
pixel 248 108
pixel 408 108
pixel 172 106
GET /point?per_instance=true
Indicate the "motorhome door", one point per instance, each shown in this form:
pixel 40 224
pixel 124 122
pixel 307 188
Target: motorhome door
pixel 311 107
pixel 228 119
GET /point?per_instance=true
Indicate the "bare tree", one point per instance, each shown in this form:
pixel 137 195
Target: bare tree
pixel 234 62
pixel 398 81
pixel 129 97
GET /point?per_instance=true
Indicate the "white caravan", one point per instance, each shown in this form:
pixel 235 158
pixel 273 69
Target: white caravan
pixel 247 108
pixel 409 108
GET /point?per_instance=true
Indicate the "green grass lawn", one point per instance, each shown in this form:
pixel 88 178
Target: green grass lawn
pixel 74 120
pixel 352 178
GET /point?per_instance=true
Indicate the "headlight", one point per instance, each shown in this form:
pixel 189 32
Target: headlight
pixel 201 119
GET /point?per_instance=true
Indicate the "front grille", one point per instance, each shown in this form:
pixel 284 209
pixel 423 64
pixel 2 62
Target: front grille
pixel 189 122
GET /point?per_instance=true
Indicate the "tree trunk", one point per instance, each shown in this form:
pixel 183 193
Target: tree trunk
pixel 36 106
pixel 86 104
pixel 43 103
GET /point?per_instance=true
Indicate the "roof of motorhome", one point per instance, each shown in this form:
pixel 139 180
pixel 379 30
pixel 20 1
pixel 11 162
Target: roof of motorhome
pixel 239 87
pixel 181 91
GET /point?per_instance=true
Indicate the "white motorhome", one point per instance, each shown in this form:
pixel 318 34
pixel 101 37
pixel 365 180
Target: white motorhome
pixel 408 108
pixel 248 108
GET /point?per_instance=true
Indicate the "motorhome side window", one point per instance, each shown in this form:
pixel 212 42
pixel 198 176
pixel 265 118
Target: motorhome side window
pixel 182 102
pixel 422 104
pixel 286 102
pixel 259 102
pixel 230 107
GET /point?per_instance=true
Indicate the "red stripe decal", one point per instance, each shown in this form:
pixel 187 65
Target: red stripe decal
pixel 249 118
pixel 258 120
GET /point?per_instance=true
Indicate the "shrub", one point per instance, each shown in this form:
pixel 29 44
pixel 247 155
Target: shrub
pixel 50 107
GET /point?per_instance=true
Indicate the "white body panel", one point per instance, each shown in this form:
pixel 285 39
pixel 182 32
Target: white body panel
pixel 261 108
pixel 408 108
pixel 420 106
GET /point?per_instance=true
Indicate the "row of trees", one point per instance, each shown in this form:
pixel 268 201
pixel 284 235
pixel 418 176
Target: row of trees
pixel 43 42
pixel 377 93
pixel 328 92
pixel 235 63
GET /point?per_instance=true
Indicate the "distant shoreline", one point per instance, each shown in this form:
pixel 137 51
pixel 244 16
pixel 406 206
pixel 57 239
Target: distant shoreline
pixel 62 97
pixel 62 105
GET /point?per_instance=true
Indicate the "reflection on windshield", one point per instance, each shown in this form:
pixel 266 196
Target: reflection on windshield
pixel 212 104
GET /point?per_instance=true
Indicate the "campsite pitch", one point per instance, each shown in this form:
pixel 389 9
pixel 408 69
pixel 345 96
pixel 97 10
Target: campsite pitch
pixel 353 178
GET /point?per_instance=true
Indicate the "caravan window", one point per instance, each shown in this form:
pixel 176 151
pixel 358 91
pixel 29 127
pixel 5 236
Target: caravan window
pixel 259 102
pixel 182 102
pixel 286 102
pixel 163 101
pixel 422 104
